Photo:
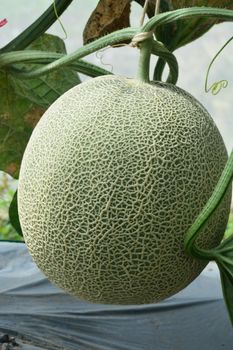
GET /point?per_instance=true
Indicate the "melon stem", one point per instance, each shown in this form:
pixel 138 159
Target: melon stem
pixel 143 73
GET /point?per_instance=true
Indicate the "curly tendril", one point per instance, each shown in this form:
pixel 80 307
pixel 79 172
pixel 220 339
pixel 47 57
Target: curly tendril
pixel 218 85
pixel 58 18
pixel 100 56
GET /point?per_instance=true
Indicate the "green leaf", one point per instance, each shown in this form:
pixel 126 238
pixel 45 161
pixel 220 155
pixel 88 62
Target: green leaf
pixel 180 33
pixel 13 215
pixel 165 33
pixel 185 31
pixel 23 101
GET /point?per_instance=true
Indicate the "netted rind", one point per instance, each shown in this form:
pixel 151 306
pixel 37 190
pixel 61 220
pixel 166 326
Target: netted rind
pixel 114 174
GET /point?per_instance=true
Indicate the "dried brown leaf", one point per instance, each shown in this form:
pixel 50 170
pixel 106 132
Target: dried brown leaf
pixel 108 16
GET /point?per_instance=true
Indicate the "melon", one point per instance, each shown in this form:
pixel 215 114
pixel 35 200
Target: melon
pixel 113 176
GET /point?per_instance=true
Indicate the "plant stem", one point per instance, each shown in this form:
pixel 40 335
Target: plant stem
pixel 110 39
pixel 157 7
pixel 144 12
pixel 143 73
pixel 165 56
pixel 159 68
pixel 126 34
pixel 38 57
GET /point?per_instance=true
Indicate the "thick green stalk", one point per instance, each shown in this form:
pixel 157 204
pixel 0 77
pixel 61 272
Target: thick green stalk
pixel 159 67
pixel 143 73
pixel 110 39
pixel 54 60
pixel 42 57
pixel 166 56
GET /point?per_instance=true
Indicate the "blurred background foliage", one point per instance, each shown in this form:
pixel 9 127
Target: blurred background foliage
pixel 229 229
pixel 7 190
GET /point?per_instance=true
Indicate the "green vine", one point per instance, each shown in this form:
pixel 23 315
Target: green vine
pixel 42 57
pixel 159 68
pixel 217 86
pixel 223 254
pixel 7 59
pixel 165 56
pixel 144 61
pixel 128 34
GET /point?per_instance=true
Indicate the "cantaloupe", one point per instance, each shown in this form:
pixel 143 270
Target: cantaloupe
pixel 114 174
